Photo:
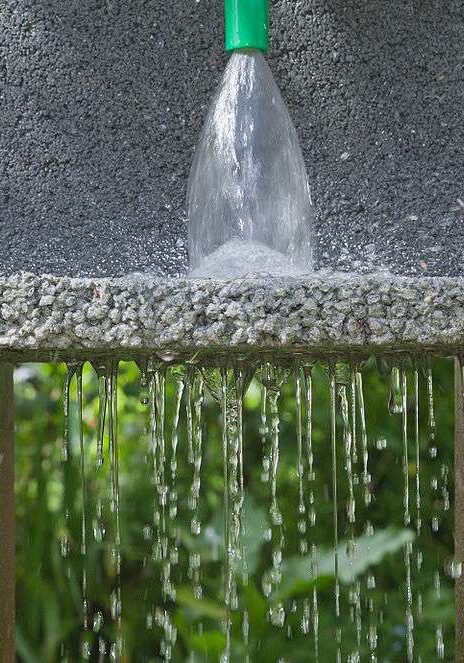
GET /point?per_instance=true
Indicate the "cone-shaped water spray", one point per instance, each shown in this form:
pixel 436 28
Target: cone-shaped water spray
pixel 249 204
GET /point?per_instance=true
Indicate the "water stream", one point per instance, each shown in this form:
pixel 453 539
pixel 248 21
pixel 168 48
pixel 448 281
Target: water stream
pixel 269 487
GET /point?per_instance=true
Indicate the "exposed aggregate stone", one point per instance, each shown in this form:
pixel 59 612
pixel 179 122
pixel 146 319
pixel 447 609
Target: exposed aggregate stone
pixel 318 313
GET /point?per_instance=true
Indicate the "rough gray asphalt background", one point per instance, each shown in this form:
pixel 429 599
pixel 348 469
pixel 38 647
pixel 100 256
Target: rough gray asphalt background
pixel 102 102
pixel 322 313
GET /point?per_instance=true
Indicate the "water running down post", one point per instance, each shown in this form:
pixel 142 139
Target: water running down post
pixel 459 508
pixel 7 517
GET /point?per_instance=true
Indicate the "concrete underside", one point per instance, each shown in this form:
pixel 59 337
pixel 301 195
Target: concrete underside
pixel 102 102
pixel 62 318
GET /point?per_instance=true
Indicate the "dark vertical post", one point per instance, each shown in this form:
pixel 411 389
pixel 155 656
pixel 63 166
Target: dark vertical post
pixel 459 507
pixel 7 517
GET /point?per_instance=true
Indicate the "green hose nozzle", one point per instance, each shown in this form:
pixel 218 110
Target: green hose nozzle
pixel 247 24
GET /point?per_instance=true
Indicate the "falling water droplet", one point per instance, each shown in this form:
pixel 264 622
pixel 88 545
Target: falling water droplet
pixel 70 371
pixel 264 432
pixel 431 406
pixel 86 650
pixel 277 615
pixel 366 477
pixel 97 621
pixel 309 421
pixel 101 650
pixel 453 569
pixel 440 643
pixel 348 440
pixel 101 371
pixel 395 403
pixel 381 443
pixel 144 395
pixel 353 404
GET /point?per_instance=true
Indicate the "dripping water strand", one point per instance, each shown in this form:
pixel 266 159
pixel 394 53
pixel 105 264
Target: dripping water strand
pixel 395 402
pixel 235 488
pixel 307 372
pixel 307 375
pixel 354 590
pixel 417 449
pixel 102 403
pixel 366 479
pixel 188 412
pixel 225 656
pixel 153 399
pixel 158 382
pixel 353 416
pixel 333 438
pixel 116 607
pixel 162 490
pixel 196 394
pixel 239 395
pixel 98 524
pixel 264 432
pixel 66 469
pixel 348 441
pixel 80 429
pixel 300 467
pixel 65 448
pixel 65 458
pixel 240 392
pixel 404 425
pixel 273 378
pixel 163 617
pixel 433 453
pixel 197 436
pixel 276 613
pixel 418 482
pixel 173 492
pixel 315 606
pixel 431 405
pixel 246 635
pixel 407 517
pixel 101 370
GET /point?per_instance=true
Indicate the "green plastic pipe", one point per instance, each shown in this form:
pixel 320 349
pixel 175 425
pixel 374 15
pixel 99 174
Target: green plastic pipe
pixel 247 24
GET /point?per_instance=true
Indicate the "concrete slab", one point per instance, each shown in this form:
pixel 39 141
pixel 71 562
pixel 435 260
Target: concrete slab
pixel 51 317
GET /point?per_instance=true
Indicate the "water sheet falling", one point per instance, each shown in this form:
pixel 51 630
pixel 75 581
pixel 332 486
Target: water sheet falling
pixel 249 204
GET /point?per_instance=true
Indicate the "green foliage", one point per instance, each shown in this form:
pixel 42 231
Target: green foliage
pixel 298 577
pixel 49 586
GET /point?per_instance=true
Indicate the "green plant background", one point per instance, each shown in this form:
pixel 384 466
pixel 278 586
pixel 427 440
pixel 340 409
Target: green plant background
pixel 49 599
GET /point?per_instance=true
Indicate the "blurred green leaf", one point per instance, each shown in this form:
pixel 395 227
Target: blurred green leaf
pixel 198 608
pixel 211 643
pixel 367 551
